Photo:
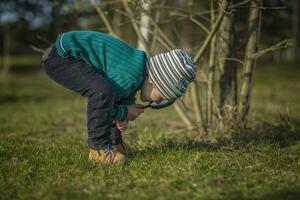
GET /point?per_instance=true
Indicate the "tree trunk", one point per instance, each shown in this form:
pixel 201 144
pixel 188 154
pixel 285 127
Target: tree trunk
pixel 144 24
pixel 156 20
pixel 135 26
pixel 197 106
pixel 228 68
pixel 211 73
pixel 249 61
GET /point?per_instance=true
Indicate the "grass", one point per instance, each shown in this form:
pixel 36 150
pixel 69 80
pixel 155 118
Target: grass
pixel 43 150
pixel 23 60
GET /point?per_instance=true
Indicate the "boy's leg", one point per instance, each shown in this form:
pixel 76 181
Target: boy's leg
pixel 116 136
pixel 81 78
pixel 117 142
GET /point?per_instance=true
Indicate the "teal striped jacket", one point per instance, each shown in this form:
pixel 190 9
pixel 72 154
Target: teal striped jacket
pixel 121 65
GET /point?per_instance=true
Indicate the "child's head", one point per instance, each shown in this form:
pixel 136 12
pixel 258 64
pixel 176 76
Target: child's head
pixel 168 76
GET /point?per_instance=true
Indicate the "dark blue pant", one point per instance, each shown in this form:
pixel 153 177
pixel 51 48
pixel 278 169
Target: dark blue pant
pixel 74 74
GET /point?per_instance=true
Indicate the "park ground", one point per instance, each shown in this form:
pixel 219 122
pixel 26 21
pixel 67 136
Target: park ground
pixel 43 150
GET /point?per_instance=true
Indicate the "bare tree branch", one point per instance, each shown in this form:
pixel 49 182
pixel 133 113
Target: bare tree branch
pixel 280 45
pixel 103 17
pixel 136 28
pixel 163 35
pixel 234 59
pixel 216 25
pixel 240 4
pixel 36 49
pixel 157 16
pixel 184 116
pixel 199 24
pixel 159 39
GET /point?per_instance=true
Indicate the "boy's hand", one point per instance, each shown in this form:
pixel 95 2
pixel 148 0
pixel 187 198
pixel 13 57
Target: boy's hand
pixel 134 111
pixel 122 125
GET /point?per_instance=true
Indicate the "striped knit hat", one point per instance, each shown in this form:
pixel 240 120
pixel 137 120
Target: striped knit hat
pixel 171 72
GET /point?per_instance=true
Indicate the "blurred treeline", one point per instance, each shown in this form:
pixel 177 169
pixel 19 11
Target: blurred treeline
pixel 31 22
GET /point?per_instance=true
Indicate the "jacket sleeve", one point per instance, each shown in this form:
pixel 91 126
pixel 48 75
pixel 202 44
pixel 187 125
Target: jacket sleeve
pixel 120 110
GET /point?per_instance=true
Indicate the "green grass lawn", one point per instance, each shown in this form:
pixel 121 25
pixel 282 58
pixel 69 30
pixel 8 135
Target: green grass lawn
pixel 24 60
pixel 43 150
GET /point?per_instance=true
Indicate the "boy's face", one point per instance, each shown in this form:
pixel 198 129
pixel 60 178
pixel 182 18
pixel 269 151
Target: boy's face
pixel 149 92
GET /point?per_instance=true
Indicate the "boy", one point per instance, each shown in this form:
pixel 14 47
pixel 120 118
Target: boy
pixel 109 72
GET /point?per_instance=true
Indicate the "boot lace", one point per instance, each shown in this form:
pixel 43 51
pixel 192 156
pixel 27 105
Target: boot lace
pixel 108 149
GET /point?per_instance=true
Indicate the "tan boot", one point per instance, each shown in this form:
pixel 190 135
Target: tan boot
pixel 107 156
pixel 122 148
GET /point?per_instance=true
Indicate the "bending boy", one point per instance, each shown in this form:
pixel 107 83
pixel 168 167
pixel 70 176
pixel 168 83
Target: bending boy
pixel 109 72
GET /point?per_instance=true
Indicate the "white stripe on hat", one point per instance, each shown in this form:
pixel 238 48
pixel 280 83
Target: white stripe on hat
pixel 171 72
pixel 168 73
pixel 163 70
pixel 174 69
pixel 161 75
pixel 156 78
pixel 178 62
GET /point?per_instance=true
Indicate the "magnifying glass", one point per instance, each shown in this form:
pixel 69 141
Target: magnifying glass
pixel 158 105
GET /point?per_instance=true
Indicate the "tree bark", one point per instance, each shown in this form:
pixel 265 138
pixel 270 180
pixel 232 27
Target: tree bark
pixel 155 32
pixel 228 68
pixel 197 106
pixel 211 73
pixel 135 26
pixel 144 24
pixel 212 32
pixel 249 61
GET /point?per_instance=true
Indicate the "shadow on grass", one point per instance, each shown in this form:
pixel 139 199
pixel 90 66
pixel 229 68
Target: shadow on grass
pixel 284 133
pixel 287 194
